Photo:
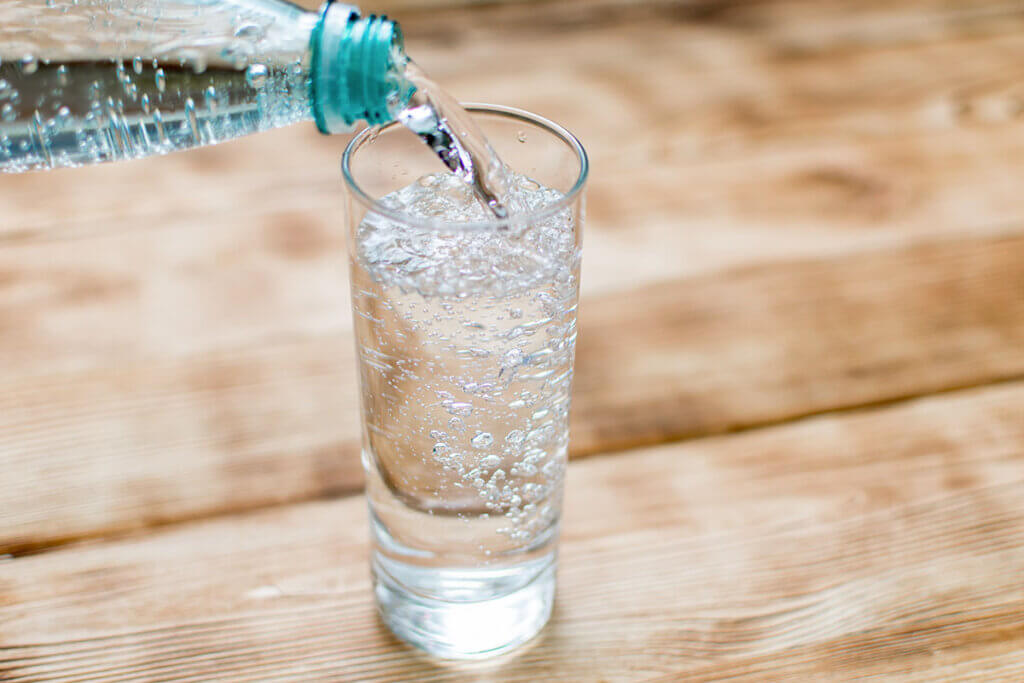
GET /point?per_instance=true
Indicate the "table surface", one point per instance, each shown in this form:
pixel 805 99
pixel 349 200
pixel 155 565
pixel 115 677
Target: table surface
pixel 798 418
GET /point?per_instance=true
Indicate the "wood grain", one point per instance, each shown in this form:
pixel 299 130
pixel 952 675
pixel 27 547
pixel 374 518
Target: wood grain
pixel 152 442
pixel 879 542
pixel 835 182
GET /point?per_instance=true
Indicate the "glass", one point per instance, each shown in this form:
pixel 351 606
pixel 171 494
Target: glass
pixel 465 337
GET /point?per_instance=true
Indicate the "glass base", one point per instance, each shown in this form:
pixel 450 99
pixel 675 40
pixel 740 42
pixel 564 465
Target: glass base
pixel 465 613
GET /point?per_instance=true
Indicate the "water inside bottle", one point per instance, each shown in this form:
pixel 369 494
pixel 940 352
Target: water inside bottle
pixel 74 113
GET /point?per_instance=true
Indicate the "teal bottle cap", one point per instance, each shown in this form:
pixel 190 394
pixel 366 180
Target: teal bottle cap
pixel 355 68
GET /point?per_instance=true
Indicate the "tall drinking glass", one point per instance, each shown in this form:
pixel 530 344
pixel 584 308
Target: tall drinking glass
pixel 465 336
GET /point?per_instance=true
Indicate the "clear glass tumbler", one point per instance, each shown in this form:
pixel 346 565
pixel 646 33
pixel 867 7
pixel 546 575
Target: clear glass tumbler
pixel 465 337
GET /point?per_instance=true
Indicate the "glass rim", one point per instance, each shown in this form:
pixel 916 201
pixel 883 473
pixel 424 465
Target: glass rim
pixel 367 134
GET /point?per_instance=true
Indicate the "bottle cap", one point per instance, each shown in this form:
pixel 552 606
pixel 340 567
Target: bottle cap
pixel 355 68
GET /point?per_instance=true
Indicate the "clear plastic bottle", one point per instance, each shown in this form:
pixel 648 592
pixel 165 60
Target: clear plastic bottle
pixel 87 81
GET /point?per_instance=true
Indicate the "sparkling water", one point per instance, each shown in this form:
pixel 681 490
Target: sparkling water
pixel 466 350
pixel 74 113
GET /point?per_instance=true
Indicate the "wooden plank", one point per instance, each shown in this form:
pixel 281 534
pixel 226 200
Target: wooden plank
pixel 133 321
pixel 883 542
pixel 158 439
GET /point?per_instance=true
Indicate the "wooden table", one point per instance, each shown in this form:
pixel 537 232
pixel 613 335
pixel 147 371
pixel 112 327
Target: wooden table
pixel 799 408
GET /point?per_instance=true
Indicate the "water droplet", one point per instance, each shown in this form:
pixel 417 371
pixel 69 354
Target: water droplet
pixel 161 80
pixel 256 75
pixel 482 440
pixel 137 65
pixel 63 112
pixel 456 425
pixel 210 95
pixel 515 437
pixel 146 107
pixel 441 448
pixel 7 112
pixel 29 64
pixel 541 414
pixel 521 136
pixel 438 435
pixel 249 31
pixel 4 87
pixel 62 74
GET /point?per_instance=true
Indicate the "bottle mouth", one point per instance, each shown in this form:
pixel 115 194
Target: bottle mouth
pixel 355 69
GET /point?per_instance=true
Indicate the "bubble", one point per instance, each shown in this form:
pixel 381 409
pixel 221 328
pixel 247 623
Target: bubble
pixel 256 75
pixel 210 96
pixel 461 409
pixel 63 78
pixel 441 448
pixel 456 425
pixel 438 435
pixel 29 64
pixel 192 119
pixel 146 107
pixel 521 136
pixel 137 65
pixel 482 440
pixel 515 437
pixel 515 313
pixel 249 31
pixel 490 461
pixel 512 358
pixel 161 80
pixel 63 112
pixel 7 112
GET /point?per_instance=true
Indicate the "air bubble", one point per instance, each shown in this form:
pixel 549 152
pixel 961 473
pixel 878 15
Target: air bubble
pixel 512 358
pixel 490 461
pixel 461 409
pixel 161 80
pixel 63 78
pixel 137 65
pixel 249 31
pixel 482 440
pixel 7 112
pixel 29 64
pixel 210 95
pixel 456 425
pixel 256 75
pixel 515 437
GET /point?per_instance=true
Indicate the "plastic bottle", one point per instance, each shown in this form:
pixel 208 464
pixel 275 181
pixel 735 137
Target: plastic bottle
pixel 87 81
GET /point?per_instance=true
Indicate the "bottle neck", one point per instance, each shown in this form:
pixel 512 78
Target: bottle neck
pixel 356 68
